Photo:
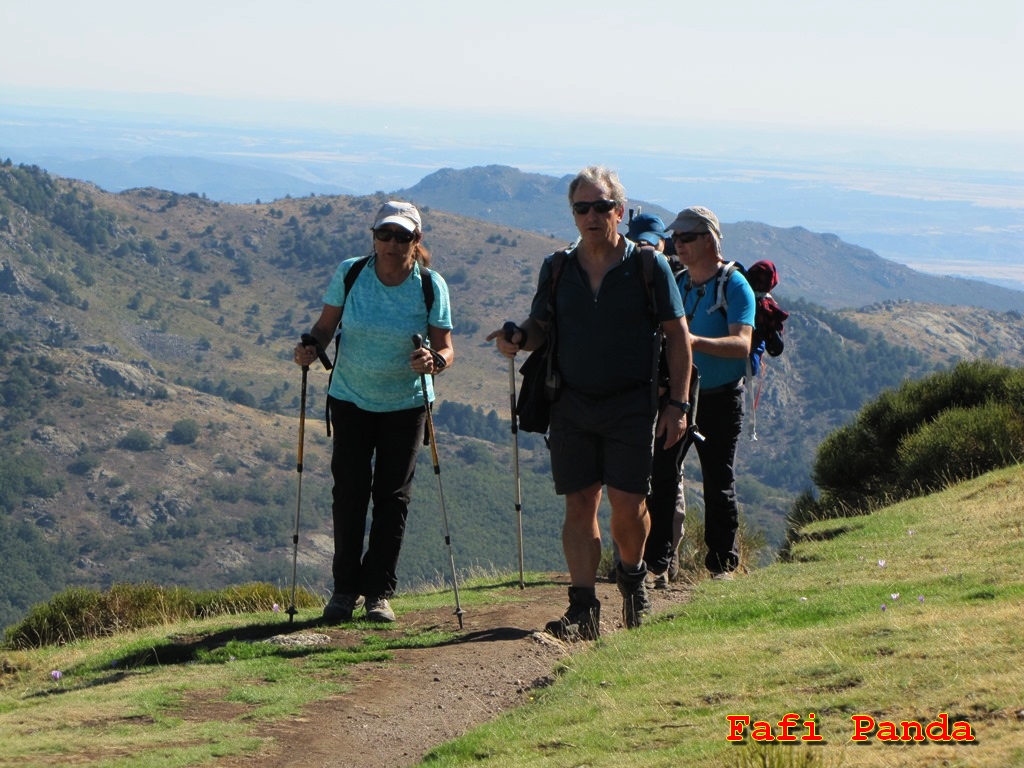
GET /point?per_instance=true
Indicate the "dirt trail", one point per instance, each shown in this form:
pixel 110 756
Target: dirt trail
pixel 398 710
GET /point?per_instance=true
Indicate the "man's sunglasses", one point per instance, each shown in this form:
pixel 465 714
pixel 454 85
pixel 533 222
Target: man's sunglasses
pixel 399 236
pixel 686 237
pixel 582 208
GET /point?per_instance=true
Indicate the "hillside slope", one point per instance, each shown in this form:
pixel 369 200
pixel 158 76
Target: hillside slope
pixel 127 316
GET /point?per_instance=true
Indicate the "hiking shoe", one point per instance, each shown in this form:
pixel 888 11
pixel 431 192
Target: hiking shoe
pixel 379 609
pixel 582 619
pixel 341 605
pixel 723 576
pixel 659 580
pixel 635 602
pixel 673 567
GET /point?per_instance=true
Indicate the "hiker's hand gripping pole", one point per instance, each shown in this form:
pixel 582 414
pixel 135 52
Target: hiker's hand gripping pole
pixel 308 340
pixel 417 342
pixel 510 329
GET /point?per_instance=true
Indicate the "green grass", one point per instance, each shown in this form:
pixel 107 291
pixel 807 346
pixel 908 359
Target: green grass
pixel 184 693
pixel 809 636
pixel 805 636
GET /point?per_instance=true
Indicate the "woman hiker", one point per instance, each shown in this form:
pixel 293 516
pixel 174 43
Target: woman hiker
pixel 376 402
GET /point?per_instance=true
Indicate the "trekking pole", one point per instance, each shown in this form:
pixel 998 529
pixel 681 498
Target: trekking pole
pixel 693 434
pixel 307 341
pixel 417 342
pixel 510 328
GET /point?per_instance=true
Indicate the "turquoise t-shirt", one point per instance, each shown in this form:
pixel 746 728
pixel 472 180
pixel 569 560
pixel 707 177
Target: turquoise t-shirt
pixel 377 326
pixel 705 320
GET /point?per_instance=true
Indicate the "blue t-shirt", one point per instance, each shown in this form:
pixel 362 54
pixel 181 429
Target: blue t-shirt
pixel 706 320
pixel 606 343
pixel 377 326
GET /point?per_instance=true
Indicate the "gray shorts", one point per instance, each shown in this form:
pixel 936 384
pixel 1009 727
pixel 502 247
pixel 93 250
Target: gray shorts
pixel 608 441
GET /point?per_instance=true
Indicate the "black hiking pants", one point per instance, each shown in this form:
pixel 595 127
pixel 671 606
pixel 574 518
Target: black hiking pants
pixel 665 504
pixel 374 459
pixel 720 420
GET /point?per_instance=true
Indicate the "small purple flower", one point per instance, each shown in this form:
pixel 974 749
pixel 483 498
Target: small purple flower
pixel 883 606
pixel 277 608
pixel 56 675
pixel 895 595
pixel 881 563
pixel 920 598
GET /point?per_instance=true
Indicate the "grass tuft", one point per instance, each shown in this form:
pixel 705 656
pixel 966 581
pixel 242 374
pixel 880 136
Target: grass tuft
pixel 82 614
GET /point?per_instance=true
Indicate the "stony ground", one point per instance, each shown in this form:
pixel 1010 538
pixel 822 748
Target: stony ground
pixel 396 711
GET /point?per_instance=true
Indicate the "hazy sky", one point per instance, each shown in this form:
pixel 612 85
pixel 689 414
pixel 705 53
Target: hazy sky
pixel 901 65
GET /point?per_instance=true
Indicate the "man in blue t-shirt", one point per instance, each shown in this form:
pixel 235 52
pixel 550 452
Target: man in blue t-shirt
pixel 604 424
pixel 720 337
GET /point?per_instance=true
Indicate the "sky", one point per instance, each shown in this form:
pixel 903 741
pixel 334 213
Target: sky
pixel 898 66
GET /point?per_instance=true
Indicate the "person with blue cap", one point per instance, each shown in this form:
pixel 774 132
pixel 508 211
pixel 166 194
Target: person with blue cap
pixel 647 229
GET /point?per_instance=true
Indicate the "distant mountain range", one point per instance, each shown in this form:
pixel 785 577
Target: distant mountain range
pixel 818 267
pixel 222 181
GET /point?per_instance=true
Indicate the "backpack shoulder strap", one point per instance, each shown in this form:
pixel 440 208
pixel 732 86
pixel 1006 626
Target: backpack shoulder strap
pixel 428 289
pixel 352 274
pixel 558 260
pixel 647 256
pixel 350 279
pixel 721 282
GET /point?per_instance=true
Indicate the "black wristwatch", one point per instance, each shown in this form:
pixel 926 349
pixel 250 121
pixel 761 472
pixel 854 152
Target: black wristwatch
pixel 684 407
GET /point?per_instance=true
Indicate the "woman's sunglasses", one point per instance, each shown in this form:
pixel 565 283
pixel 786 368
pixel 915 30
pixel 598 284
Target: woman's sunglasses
pixel 399 236
pixel 583 207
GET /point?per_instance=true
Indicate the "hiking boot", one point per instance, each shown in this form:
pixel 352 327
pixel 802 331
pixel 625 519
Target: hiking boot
pixel 673 567
pixel 659 580
pixel 635 602
pixel 723 576
pixel 340 607
pixel 379 609
pixel 582 619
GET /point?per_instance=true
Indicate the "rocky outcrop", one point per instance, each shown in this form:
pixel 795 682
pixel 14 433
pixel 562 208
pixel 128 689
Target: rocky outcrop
pixel 121 376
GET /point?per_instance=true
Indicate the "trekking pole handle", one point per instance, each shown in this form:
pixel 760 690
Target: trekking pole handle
pixel 510 329
pixel 309 341
pixel 417 343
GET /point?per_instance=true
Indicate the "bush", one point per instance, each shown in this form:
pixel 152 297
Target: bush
pixel 961 443
pixel 184 432
pixel 84 464
pixel 919 438
pixel 138 440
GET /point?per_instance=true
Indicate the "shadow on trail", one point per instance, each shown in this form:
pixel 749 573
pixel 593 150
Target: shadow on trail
pixel 495 634
pixel 284 640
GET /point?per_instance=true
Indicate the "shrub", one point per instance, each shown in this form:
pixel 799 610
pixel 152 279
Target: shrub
pixel 184 432
pixel 84 464
pixel 961 443
pixel 138 440
pixel 919 438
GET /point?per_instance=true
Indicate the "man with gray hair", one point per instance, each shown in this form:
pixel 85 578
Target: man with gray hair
pixel 606 419
pixel 720 338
